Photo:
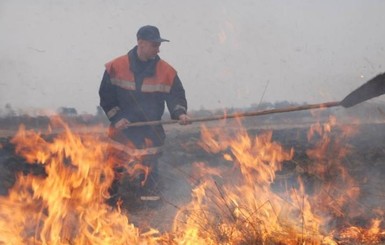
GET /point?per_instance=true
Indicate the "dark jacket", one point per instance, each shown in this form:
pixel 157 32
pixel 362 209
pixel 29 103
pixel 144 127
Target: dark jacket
pixel 138 91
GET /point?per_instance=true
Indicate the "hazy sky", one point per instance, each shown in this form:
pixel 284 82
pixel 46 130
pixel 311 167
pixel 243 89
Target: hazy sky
pixel 52 52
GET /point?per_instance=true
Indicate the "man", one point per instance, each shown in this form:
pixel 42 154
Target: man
pixel 135 88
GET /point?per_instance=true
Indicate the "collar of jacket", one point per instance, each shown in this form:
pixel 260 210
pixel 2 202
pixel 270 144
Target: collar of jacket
pixel 134 61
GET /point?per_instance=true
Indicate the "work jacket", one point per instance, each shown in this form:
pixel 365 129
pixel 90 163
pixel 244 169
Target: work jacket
pixel 138 92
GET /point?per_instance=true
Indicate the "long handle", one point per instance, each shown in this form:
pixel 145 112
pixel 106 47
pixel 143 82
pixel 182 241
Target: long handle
pixel 374 87
pixel 244 114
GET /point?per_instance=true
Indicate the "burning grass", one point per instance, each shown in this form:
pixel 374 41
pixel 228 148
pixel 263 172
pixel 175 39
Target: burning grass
pixel 243 200
pixel 251 212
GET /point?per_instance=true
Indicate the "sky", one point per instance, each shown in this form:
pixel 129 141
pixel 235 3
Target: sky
pixel 228 54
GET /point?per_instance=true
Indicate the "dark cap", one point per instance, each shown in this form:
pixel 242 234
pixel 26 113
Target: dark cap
pixel 150 33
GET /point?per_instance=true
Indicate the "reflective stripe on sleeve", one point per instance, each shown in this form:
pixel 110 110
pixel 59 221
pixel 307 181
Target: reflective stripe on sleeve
pixel 179 107
pixel 111 113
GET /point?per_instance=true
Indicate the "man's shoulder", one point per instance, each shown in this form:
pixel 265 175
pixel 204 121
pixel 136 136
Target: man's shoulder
pixel 164 63
pixel 124 56
pixel 117 62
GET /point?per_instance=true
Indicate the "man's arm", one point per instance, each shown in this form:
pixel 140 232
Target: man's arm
pixel 176 101
pixel 109 102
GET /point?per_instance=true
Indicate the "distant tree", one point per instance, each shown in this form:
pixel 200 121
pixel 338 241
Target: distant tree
pixel 282 104
pixel 67 111
pixel 9 111
pixel 262 106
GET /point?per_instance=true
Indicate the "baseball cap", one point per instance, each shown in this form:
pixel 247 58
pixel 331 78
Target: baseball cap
pixel 150 33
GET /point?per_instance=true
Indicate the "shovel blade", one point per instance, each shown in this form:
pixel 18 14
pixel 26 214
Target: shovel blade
pixel 373 88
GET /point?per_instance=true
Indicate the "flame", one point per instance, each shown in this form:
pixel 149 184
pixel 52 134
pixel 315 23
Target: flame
pixel 230 210
pixel 237 203
pixel 66 205
pixel 372 235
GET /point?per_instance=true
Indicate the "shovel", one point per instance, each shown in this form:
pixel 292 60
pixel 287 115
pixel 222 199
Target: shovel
pixel 373 88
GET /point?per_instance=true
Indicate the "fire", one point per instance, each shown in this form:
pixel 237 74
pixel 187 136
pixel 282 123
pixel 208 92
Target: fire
pixel 66 205
pixel 239 204
pixel 240 207
pixel 242 201
pixel 368 236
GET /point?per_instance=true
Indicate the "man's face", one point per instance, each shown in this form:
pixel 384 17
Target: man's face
pixel 147 49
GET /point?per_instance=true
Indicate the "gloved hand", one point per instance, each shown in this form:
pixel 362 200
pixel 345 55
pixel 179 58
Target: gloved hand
pixel 122 124
pixel 184 119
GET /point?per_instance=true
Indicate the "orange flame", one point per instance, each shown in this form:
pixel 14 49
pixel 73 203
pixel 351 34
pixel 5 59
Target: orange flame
pixel 67 205
pixel 236 203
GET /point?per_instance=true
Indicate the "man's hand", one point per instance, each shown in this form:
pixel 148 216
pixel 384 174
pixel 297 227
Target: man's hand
pixel 122 124
pixel 184 119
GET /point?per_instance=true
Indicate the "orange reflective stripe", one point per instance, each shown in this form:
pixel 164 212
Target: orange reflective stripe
pixel 123 84
pixel 150 88
pixel 122 76
pixel 120 73
pixel 163 79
